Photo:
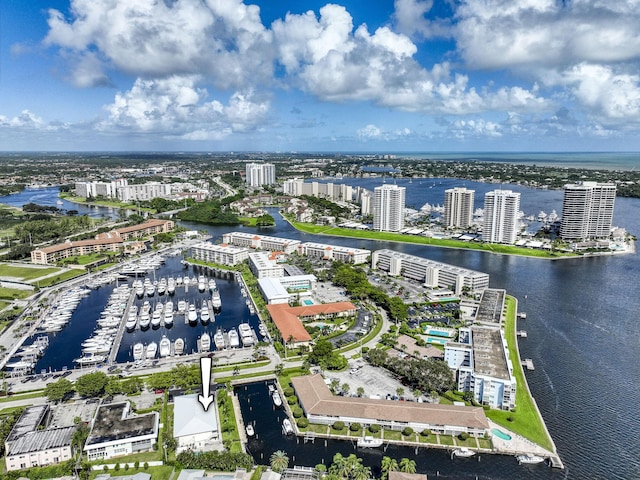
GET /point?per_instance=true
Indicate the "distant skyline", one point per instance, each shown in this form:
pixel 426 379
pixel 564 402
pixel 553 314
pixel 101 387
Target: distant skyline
pixel 307 75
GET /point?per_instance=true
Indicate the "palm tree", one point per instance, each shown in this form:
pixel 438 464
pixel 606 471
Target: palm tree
pixel 388 465
pixel 339 467
pixel 360 391
pixel 407 465
pixel 279 461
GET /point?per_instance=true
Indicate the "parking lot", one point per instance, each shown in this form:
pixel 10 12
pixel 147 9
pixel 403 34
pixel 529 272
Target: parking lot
pixel 376 382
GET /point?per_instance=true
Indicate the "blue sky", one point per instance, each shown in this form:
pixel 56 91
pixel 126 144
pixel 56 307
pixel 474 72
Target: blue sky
pixel 298 75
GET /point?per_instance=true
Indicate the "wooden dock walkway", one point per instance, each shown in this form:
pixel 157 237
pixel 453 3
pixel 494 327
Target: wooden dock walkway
pixel 528 364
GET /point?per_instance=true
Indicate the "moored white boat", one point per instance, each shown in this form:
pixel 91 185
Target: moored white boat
pixel 530 459
pixel 192 313
pixel 138 351
pixel 463 452
pixel 178 346
pixel 205 316
pixel 204 343
pixel 369 442
pixel 218 340
pixel 250 431
pixel 151 350
pixel 287 428
pixel 165 346
pixel 277 401
pixel 234 341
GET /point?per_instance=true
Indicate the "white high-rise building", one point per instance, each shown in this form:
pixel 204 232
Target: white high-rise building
pixel 388 208
pixel 458 207
pixel 587 211
pixel 258 174
pixel 501 209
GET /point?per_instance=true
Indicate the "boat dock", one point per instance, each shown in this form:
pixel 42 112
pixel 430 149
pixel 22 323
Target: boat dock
pixel 528 364
pixel 121 328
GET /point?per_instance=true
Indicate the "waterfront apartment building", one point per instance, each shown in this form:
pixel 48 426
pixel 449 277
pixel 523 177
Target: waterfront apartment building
pixel 480 360
pixel 260 242
pixel 388 208
pixel 30 444
pixel 334 252
pixel 95 189
pixel 258 174
pixel 321 406
pixel 223 254
pixel 501 209
pixel 263 266
pixel 111 241
pixel 330 191
pixel 458 207
pixel 143 191
pixel 429 272
pixel 587 211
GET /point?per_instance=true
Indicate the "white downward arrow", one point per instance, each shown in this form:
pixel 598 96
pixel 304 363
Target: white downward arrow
pixel 205 374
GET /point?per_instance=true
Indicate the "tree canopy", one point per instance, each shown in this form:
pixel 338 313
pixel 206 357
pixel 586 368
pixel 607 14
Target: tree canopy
pixel 92 384
pixel 57 391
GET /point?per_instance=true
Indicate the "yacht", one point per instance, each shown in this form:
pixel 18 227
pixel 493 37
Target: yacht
pixel 178 346
pixel 140 291
pixel 205 342
pixel 150 290
pixel 168 318
pixel 151 350
pixel 182 306
pixel 204 314
pixel 212 284
pixel 246 334
pixel 162 286
pixel 192 314
pixel 234 341
pixel 156 318
pixel 287 428
pixel 178 281
pixel 529 458
pixel 275 396
pixel 215 299
pixel 250 431
pixel 201 284
pixel 263 330
pixel 131 323
pixel 138 351
pixel 90 359
pixel 145 321
pixel 369 442
pixel 165 346
pixel 171 286
pixel 218 340
pixel 186 281
pixel 463 452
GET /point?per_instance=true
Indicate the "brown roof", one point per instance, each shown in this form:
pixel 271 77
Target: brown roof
pixel 154 222
pixel 326 308
pixel 395 475
pixel 80 243
pixel 317 399
pixel 288 323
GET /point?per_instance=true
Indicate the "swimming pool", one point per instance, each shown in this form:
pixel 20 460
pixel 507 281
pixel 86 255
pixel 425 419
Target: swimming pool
pixel 500 434
pixel 307 302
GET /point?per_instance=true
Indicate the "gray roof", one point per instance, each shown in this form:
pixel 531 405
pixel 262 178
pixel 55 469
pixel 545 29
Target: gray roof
pixel 40 440
pixel 188 474
pixel 189 417
pixel 113 422
pixel 29 421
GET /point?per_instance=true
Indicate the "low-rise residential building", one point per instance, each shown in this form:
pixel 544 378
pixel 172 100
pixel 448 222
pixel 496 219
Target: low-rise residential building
pixel 283 289
pixel 223 254
pixel 30 445
pixel 262 265
pixel 60 251
pixel 321 406
pixel 260 242
pixel 144 229
pixel 429 272
pixel 193 427
pixel 334 252
pixel 116 431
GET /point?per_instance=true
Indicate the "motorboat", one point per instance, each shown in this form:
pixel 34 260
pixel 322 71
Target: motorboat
pixel 168 318
pixel 263 330
pixel 201 284
pixel 192 314
pixel 205 342
pixel 156 318
pixel 369 442
pixel 246 334
pixel 277 401
pixel 205 316
pixel 140 291
pixel 234 340
pixel 150 290
pixel 182 306
pixel 212 285
pixel 250 431
pixel 90 359
pixel 165 346
pixel 529 458
pixel 145 321
pixel 151 350
pixel 463 452
pixel 218 340
pixel 171 286
pixel 287 428
pixel 138 351
pixel 215 300
pixel 178 346
pixel 178 281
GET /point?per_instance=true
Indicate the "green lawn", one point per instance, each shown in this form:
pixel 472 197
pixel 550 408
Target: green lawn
pixel 4 305
pixel 446 440
pixel 47 282
pixel 248 221
pixel 106 203
pixel 398 237
pixel 25 273
pixel 525 420
pixel 14 293
pixel 392 435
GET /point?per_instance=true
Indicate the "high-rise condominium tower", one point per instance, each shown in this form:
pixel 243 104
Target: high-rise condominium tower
pixel 260 174
pixel 388 208
pixel 458 207
pixel 501 209
pixel 587 210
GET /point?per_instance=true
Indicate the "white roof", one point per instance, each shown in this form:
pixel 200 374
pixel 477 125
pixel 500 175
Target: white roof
pixel 272 288
pixel 189 417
